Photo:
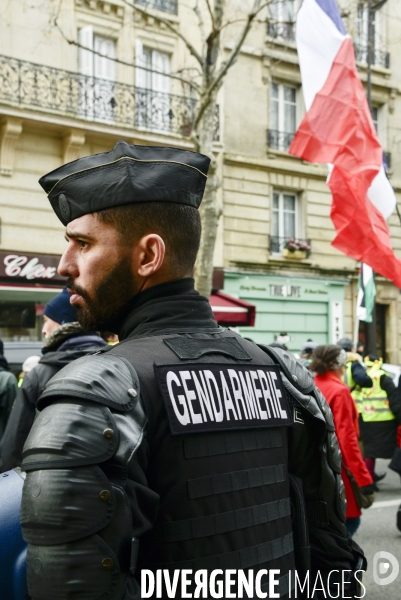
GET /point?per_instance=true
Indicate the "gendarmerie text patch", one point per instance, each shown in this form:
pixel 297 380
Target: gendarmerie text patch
pixel 212 397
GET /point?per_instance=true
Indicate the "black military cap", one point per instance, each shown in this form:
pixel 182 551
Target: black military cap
pixel 125 175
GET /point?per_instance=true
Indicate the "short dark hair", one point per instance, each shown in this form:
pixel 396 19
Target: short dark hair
pixel 324 358
pixel 178 225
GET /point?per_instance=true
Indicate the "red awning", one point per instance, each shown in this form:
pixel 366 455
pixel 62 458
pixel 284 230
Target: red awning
pixel 229 311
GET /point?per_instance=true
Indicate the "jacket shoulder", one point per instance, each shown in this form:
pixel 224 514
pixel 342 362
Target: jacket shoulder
pixel 101 378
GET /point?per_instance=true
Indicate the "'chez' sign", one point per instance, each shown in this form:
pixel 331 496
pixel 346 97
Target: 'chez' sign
pixel 29 267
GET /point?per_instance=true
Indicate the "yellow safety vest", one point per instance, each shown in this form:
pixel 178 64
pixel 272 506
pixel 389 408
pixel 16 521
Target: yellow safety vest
pixel 355 389
pixel 375 404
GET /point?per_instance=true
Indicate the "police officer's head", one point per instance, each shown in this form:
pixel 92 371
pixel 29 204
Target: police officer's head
pixel 132 222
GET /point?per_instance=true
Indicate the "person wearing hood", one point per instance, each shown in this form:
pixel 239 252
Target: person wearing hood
pixel 8 390
pixel 305 355
pixel 65 341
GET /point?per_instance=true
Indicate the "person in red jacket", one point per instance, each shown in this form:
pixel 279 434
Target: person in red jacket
pixel 328 362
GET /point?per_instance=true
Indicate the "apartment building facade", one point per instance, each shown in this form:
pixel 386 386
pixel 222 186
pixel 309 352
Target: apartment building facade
pixel 78 75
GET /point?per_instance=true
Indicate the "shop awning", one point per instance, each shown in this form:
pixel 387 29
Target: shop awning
pixel 229 311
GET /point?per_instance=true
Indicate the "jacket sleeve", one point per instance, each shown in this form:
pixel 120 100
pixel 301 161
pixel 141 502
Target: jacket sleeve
pixel 360 376
pixel 7 398
pixel 87 454
pixel 343 413
pixel 393 394
pixel 19 423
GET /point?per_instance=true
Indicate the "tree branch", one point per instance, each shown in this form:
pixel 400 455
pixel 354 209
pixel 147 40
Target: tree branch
pixel 211 14
pixel 228 63
pixel 169 25
pixel 201 23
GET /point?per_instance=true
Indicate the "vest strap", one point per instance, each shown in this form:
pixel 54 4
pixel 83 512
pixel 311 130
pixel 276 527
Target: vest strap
pixel 189 529
pixel 234 481
pixel 239 559
pixel 233 442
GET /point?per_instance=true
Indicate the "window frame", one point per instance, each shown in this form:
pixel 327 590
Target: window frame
pixel 281 236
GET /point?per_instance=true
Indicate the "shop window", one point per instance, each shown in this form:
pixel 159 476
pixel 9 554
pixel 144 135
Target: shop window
pixel 96 62
pixel 18 321
pixel 153 110
pixel 283 116
pixel 284 219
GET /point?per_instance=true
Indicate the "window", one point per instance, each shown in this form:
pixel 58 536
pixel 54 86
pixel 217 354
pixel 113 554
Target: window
pixel 96 63
pixel 283 111
pixel 284 219
pixel 153 89
pixel 379 56
pixel 168 6
pixel 281 24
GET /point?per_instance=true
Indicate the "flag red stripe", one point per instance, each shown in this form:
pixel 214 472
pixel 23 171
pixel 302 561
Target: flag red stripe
pixel 362 232
pixel 338 129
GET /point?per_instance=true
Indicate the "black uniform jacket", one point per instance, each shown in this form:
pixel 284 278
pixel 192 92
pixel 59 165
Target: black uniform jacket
pixel 184 483
pixel 24 407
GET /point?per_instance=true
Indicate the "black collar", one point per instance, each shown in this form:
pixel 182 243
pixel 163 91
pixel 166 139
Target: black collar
pixel 174 305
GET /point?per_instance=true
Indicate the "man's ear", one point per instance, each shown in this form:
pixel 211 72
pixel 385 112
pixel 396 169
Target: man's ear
pixel 149 253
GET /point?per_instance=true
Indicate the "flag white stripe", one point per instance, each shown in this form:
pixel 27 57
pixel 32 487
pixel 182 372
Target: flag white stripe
pixel 318 42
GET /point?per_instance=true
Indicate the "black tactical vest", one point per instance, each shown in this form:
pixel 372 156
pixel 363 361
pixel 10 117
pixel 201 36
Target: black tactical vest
pixel 217 462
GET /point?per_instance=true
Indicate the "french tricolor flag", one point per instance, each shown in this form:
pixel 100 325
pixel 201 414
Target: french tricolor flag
pixel 338 129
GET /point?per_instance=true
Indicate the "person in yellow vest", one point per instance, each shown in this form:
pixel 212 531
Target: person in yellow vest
pixel 381 414
pixel 355 376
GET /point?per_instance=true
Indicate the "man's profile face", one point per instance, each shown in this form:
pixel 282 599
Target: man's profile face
pixel 99 272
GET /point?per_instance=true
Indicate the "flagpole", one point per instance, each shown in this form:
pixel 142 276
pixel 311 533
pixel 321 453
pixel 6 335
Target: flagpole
pixel 356 331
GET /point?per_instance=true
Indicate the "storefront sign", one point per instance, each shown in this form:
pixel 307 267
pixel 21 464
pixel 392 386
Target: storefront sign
pixel 285 291
pixel 29 267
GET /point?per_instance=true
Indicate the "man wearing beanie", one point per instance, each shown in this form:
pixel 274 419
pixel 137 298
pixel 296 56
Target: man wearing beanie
pixel 65 341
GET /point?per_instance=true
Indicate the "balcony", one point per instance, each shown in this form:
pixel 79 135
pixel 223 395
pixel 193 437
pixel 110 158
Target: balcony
pixel 380 58
pixel 298 248
pixel 29 85
pixel 279 140
pixel 167 6
pixel 284 32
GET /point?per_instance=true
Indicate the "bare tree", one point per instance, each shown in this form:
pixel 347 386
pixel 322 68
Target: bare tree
pixel 212 67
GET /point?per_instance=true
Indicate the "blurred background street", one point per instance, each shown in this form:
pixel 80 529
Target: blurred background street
pixel 378 531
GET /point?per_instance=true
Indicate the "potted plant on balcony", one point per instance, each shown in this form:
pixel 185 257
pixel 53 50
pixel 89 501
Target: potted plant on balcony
pixel 294 249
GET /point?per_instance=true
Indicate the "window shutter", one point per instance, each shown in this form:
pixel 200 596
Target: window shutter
pixel 140 61
pixel 85 57
pixel 161 63
pixel 105 67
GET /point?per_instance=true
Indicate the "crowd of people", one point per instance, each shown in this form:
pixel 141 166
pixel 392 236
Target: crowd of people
pixel 366 406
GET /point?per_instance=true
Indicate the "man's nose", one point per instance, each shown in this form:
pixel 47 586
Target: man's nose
pixel 67 265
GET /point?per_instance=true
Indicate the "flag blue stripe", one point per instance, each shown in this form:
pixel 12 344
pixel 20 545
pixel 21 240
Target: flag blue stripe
pixel 331 9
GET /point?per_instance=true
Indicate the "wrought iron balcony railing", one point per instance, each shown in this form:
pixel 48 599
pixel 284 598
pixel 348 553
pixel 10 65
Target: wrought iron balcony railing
pixel 380 58
pixel 80 96
pixel 279 140
pixel 281 31
pixel 278 244
pixel 168 6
